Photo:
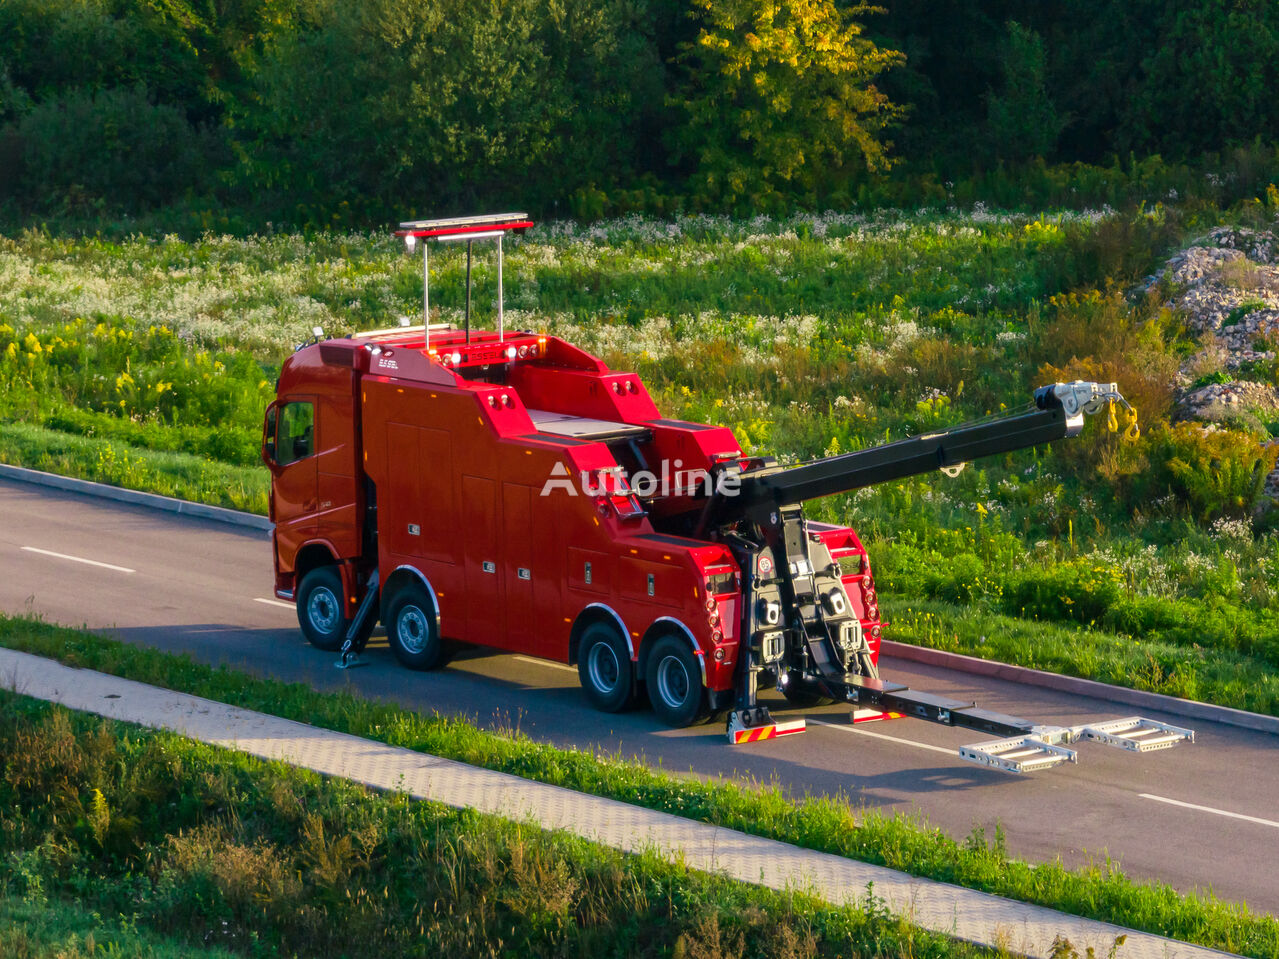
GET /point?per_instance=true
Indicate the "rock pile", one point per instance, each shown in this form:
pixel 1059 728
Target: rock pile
pixel 1228 287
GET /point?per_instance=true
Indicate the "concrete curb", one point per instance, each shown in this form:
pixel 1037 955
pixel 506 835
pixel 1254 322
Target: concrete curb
pixel 1083 687
pixel 135 497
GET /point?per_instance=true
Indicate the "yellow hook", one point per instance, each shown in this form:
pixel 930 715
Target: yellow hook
pixel 1133 431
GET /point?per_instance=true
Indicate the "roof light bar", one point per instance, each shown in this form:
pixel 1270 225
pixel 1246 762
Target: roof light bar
pixel 458 237
pixel 492 226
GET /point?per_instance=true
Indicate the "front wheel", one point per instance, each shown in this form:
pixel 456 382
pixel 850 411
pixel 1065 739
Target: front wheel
pixel 321 612
pixel 412 630
pixel 674 681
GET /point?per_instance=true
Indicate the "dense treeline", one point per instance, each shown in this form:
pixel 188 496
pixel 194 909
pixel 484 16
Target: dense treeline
pixel 318 111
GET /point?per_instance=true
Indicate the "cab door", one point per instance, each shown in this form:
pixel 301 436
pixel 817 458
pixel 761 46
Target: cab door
pixel 290 454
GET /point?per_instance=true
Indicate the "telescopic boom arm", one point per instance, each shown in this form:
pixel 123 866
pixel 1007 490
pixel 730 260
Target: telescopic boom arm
pixel 1059 412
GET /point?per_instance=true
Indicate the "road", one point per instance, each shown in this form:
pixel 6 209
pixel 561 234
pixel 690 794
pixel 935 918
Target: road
pixel 1200 817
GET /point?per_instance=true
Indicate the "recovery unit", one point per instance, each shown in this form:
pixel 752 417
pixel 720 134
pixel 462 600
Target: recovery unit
pixel 507 489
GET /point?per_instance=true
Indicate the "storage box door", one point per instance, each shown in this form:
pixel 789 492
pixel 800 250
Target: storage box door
pixel 484 593
pixel 519 574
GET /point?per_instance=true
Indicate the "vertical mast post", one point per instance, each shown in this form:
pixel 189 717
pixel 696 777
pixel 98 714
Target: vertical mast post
pixel 426 293
pixel 469 245
pixel 501 319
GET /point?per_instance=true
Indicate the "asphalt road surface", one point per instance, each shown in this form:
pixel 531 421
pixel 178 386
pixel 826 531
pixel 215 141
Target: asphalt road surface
pixel 1202 816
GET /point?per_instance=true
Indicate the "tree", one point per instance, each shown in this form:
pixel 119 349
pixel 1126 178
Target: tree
pixel 1023 121
pixel 779 100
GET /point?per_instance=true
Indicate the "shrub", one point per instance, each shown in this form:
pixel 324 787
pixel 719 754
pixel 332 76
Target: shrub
pixel 115 149
pixel 1213 472
pixel 1083 591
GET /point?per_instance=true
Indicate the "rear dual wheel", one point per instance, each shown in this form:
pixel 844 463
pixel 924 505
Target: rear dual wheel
pixel 412 629
pixel 674 681
pixel 604 666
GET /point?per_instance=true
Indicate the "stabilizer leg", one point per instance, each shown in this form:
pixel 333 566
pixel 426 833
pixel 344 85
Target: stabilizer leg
pixel 356 634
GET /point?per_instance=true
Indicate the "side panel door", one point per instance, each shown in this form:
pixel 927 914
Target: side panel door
pixel 483 566
pixel 522 579
pixel 417 516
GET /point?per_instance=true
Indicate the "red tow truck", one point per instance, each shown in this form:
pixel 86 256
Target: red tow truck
pixel 507 489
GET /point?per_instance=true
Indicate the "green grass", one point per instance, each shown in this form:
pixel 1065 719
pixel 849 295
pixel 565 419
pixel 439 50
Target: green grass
pixel 36 926
pixel 195 846
pixel 1188 672
pixel 828 824
pixel 183 475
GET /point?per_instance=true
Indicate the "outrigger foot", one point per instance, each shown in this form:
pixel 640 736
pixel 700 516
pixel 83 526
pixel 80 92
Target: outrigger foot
pixel 755 724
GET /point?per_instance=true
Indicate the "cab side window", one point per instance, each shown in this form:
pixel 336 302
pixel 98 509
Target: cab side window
pixel 296 437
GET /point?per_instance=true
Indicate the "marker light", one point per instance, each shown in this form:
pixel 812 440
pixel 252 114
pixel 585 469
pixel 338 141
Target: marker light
pixel 456 358
pixel 510 352
pixel 410 242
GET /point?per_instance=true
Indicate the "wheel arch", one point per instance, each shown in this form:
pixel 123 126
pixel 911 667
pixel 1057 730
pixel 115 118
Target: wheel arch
pixel 313 555
pixel 597 613
pixel 669 626
pixel 400 577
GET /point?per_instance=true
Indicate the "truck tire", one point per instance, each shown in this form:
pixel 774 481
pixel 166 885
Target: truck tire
pixel 412 631
pixel 674 681
pixel 321 610
pixel 605 669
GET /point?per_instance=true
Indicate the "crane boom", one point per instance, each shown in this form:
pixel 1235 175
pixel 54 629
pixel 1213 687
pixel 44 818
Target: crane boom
pixel 1058 412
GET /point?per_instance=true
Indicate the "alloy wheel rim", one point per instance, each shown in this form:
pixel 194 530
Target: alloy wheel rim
pixel 603 667
pixel 672 681
pixel 412 629
pixel 322 609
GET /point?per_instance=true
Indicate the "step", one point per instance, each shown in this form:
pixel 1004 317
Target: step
pixel 1020 754
pixel 1136 734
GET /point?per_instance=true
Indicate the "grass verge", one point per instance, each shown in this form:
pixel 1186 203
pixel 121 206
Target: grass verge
pixel 1100 891
pixel 1190 672
pixel 183 475
pixel 204 846
pixel 36 926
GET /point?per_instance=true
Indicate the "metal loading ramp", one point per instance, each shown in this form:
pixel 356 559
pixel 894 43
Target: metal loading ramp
pixel 1028 746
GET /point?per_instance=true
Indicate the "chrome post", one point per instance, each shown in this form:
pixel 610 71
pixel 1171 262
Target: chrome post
pixel 501 318
pixel 469 245
pixel 426 292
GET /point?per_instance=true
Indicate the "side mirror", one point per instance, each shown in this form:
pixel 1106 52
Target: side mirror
pixel 268 434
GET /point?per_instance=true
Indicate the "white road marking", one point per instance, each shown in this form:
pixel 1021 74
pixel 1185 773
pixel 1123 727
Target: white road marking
pixel 891 739
pixel 273 602
pixel 544 662
pixel 1215 812
pixel 78 559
